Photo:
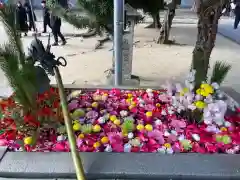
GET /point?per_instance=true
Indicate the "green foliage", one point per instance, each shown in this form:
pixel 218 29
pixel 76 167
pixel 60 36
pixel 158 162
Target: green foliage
pixel 86 128
pixel 220 71
pixel 128 126
pixel 21 74
pixel 95 14
pixel 151 7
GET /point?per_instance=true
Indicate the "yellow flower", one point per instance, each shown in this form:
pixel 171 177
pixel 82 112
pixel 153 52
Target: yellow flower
pixel 133 103
pixel 185 90
pixel 28 140
pixel 117 122
pixel 204 93
pixel 207 87
pixel 149 114
pixel 96 128
pixel 198 91
pixel 200 104
pixel 77 127
pixel 104 140
pixel 129 100
pixel 140 127
pixel 223 129
pixel 167 145
pixel 130 95
pixel 81 136
pixel 158 105
pixel 149 127
pixel 95 104
pixel 97 144
pixel 113 118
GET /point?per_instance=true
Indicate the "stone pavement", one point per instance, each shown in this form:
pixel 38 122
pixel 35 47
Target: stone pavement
pixel 225 28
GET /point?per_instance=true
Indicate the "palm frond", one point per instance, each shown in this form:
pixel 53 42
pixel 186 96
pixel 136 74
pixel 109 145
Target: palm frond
pixel 21 74
pixel 8 18
pixel 220 71
pixel 73 19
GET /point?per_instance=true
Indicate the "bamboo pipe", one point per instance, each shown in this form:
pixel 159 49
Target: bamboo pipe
pixel 71 137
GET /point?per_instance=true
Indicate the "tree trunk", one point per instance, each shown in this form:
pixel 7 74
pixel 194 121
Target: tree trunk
pixel 168 18
pixel 156 21
pixel 208 17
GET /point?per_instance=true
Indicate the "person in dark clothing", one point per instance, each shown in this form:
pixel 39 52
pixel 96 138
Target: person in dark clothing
pixel 46 17
pixel 21 19
pixel 56 29
pixel 237 13
pixel 31 17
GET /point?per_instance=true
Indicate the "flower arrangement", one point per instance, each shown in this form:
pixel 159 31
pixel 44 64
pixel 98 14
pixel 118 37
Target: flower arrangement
pixel 169 121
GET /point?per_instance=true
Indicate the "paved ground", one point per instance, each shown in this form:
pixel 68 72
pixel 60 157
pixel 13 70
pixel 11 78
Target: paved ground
pixel 226 29
pixel 152 62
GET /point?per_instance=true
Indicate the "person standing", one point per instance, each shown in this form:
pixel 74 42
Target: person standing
pixel 21 18
pixel 56 29
pixel 31 17
pixel 237 13
pixel 46 17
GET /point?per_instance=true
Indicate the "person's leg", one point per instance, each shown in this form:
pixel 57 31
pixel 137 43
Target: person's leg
pixel 55 35
pixel 236 21
pixel 44 26
pixel 62 37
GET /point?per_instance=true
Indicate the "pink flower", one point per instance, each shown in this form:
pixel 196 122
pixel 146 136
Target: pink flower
pixel 158 135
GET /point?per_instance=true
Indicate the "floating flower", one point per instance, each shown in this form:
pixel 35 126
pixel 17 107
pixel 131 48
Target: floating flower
pixel 200 104
pixel 28 140
pixel 149 127
pixel 96 128
pixel 76 126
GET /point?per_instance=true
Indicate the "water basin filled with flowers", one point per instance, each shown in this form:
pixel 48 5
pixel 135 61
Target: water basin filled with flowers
pixel 171 120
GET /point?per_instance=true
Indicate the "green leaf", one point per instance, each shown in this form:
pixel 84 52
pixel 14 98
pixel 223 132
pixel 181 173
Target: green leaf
pixel 220 71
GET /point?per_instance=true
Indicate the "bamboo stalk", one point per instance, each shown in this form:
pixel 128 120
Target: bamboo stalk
pixel 71 137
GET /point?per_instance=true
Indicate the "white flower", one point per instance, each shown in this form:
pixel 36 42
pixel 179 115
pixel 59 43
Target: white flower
pixel 123 113
pixel 166 133
pixel 169 151
pixel 170 112
pixel 158 122
pixel 230 151
pixel 208 99
pixel 191 86
pixel 208 121
pixel 163 113
pixel 130 135
pixel 127 147
pixel 174 132
pixel 178 87
pixel 215 85
pixel 227 124
pixel 212 128
pixel 150 95
pixel 149 90
pixel 181 137
pixel 196 137
pixel 162 150
pixel 198 97
pixel 192 107
pixel 61 138
pixel 108 148
pixel 101 120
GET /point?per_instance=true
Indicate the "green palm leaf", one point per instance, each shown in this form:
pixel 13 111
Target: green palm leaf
pixel 220 71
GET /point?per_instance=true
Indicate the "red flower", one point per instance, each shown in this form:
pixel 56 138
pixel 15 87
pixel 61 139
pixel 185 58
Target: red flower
pixel 31 120
pixel 45 111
